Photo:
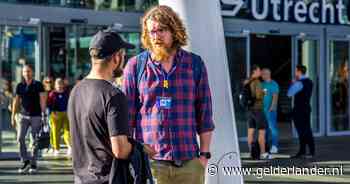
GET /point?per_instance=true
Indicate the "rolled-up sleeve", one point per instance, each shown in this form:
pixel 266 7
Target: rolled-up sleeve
pixel 129 88
pixel 203 105
pixel 295 88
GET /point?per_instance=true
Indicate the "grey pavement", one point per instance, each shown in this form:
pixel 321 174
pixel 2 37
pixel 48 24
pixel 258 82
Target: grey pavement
pixel 331 152
pixel 51 169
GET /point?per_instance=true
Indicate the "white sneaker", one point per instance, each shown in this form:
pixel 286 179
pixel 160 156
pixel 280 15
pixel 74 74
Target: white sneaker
pixel 265 156
pixel 56 153
pixel 24 168
pixel 33 169
pixel 69 152
pixel 274 149
pixel 49 151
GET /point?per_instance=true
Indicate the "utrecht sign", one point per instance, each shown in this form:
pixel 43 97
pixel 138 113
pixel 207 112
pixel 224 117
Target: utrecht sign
pixel 321 11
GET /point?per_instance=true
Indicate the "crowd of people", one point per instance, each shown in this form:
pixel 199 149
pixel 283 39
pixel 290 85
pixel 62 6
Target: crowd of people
pixel 262 112
pixel 34 104
pixel 159 108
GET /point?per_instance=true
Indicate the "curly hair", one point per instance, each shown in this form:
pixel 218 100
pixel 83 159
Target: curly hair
pixel 167 18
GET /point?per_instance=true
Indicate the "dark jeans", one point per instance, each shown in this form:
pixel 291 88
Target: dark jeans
pixel 302 122
pixel 35 123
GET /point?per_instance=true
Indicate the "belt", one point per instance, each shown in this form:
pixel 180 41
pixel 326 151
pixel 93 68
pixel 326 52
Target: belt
pixel 174 163
pixel 27 117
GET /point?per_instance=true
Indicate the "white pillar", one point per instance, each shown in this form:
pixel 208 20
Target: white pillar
pixel 204 25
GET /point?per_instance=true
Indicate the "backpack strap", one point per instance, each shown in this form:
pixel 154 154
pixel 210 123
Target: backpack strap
pixel 141 61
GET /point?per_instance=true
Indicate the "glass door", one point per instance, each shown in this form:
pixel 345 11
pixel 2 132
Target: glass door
pixel 54 50
pixel 338 86
pixel 78 38
pixel 237 46
pixel 19 44
pixel 307 53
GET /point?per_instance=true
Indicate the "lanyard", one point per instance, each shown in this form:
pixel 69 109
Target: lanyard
pixel 166 82
pixel 166 78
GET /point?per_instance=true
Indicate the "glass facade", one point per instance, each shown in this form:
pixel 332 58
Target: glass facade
pixel 78 39
pixel 52 50
pixel 339 85
pixel 309 56
pixel 112 5
pixel 18 45
pixel 260 49
pixel 237 57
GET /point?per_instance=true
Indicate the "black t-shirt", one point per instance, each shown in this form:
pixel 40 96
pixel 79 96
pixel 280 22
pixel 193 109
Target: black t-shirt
pixel 97 110
pixel 30 97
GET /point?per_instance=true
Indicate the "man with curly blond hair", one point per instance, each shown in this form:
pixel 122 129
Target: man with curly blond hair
pixel 170 100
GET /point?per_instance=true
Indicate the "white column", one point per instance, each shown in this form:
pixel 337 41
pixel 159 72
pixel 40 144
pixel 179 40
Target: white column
pixel 204 25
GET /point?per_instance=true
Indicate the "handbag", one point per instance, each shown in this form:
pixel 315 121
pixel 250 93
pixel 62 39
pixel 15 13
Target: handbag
pixel 42 139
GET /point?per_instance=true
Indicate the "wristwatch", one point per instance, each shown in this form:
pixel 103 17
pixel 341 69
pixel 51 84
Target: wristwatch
pixel 206 155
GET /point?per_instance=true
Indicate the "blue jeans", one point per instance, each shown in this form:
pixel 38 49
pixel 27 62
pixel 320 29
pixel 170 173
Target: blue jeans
pixel 272 130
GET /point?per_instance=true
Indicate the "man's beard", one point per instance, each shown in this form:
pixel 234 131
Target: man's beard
pixel 117 72
pixel 161 52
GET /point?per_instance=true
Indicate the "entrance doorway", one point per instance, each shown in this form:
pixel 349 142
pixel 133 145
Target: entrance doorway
pixel 275 53
pixel 56 51
pixel 280 53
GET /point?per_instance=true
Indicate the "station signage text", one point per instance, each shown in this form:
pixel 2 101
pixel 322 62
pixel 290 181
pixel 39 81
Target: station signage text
pixel 318 12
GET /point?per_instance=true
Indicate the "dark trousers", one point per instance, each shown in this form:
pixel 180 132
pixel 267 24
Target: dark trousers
pixel 35 123
pixel 302 122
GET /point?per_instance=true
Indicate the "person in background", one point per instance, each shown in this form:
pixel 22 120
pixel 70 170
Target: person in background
pixel 271 91
pixel 31 98
pixel 340 98
pixel 301 90
pixel 48 84
pixel 67 85
pixel 57 103
pixel 256 116
pixel 48 87
pixel 6 103
pixel 79 78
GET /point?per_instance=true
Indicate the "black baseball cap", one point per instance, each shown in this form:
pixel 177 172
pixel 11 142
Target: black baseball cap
pixel 108 42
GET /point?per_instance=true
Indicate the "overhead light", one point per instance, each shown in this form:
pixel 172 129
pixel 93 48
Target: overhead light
pixel 245 31
pixel 79 21
pixel 302 35
pixel 261 36
pixel 274 31
pixel 34 21
pixel 117 26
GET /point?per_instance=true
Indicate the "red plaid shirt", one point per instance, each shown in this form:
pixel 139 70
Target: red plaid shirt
pixel 171 132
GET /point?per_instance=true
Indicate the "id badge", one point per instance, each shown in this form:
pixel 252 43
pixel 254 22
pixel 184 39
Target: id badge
pixel 163 102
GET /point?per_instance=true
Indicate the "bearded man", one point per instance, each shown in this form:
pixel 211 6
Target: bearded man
pixel 169 100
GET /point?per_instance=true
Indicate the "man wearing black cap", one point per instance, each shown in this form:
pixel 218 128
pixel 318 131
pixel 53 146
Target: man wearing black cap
pixel 98 112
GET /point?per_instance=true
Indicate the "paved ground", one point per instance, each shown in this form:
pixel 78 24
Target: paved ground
pixel 52 170
pixel 332 152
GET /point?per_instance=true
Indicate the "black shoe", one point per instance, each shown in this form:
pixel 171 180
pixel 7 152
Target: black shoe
pixel 310 156
pixel 25 167
pixel 298 155
pixel 33 168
